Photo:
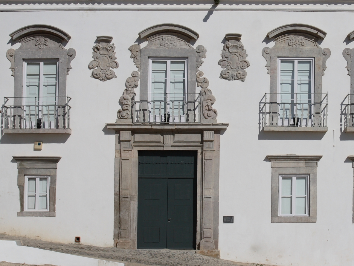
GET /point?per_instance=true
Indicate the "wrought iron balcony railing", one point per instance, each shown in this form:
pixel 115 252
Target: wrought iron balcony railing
pixel 35 113
pixel 347 113
pixel 293 110
pixel 184 109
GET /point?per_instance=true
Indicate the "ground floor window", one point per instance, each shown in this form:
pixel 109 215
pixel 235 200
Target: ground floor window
pixel 37 193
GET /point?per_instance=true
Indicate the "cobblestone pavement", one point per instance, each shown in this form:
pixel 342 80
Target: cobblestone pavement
pixel 141 257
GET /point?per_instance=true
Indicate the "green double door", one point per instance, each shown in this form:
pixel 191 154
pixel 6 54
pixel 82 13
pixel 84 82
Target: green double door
pixel 167 200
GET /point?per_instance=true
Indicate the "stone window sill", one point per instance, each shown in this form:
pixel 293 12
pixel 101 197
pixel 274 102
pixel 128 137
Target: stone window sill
pixel 36 214
pixel 293 219
pixel 37 131
pixel 295 129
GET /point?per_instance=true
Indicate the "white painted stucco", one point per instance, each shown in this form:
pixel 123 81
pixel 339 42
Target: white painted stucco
pixel 84 203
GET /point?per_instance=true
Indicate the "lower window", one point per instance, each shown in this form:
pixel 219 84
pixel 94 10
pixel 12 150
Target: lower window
pixel 36 180
pixel 37 193
pixel 293 193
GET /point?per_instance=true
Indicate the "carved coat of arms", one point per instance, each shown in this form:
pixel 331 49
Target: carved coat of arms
pixel 104 59
pixel 233 59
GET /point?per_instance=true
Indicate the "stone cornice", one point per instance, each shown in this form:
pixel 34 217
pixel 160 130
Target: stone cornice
pixel 40 29
pixel 43 159
pixel 168 127
pixel 168 28
pixel 297 28
pixel 294 157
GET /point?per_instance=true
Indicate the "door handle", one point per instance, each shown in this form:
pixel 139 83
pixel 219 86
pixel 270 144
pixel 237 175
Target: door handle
pixel 169 219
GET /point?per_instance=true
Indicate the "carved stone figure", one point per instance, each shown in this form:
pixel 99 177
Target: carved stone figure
pixel 126 99
pixel 348 57
pixel 104 59
pixel 233 59
pixel 10 56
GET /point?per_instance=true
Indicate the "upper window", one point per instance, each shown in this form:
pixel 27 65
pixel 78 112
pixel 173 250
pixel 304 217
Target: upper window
pixel 296 64
pixel 39 67
pixel 168 89
pixel 293 195
pixel 295 91
pixel 40 92
pixel 37 193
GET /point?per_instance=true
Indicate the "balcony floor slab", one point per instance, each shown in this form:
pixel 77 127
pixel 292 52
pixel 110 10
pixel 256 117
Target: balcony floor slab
pixel 37 131
pixel 295 129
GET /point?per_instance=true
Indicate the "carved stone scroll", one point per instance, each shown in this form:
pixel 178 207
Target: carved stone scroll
pixel 233 59
pixel 201 53
pixel 326 54
pixel 10 56
pixel 207 99
pixel 104 59
pixel 266 55
pixel 135 54
pixel 126 99
pixel 348 57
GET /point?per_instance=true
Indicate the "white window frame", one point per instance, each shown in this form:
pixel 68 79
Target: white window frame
pixel 296 60
pixel 168 60
pixel 37 194
pixel 293 194
pixel 41 62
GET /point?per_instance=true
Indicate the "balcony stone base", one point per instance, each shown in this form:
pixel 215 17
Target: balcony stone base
pixel 295 129
pixel 37 131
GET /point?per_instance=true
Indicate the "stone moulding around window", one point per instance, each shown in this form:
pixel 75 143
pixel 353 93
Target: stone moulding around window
pixel 37 166
pixel 40 42
pixel 296 41
pixel 292 164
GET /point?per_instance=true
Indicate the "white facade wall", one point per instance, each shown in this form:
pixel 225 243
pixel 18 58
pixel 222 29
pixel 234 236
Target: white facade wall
pixel 85 199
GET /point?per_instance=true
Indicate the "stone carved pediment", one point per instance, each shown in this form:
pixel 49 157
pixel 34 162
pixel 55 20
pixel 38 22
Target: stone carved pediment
pixel 168 36
pixel 233 59
pixel 104 59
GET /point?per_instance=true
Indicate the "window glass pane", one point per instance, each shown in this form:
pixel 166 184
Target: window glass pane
pixel 286 89
pixel 33 69
pixel 31 185
pixel 43 185
pixel 303 88
pixel 158 80
pixel 286 186
pixel 177 87
pixel 31 202
pixel 286 206
pixel 43 202
pixel 301 186
pixel 300 206
pixel 50 69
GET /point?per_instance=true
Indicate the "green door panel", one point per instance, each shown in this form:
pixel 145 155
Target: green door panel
pixel 167 199
pixel 152 213
pixel 180 222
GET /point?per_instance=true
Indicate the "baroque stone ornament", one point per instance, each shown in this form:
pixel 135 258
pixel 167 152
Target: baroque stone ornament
pixel 233 59
pixel 167 41
pixel 104 59
pixel 10 56
pixel 135 54
pixel 126 99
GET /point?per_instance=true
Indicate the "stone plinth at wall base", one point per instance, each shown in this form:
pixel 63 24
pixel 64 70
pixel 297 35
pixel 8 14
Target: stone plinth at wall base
pixel 295 129
pixel 211 253
pixel 124 244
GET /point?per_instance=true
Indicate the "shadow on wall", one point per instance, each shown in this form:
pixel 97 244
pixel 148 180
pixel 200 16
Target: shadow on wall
pixel 31 138
pixel 290 135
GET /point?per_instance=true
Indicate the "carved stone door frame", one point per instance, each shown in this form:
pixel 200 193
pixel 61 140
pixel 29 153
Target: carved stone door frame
pixel 205 139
